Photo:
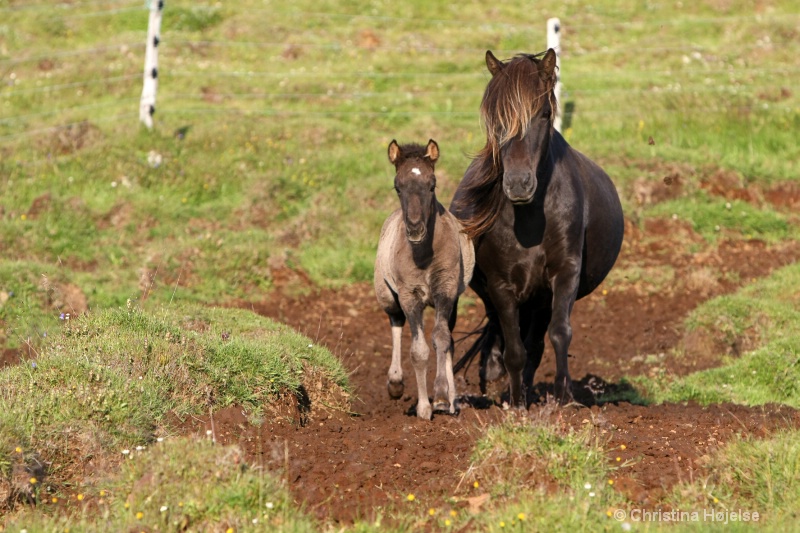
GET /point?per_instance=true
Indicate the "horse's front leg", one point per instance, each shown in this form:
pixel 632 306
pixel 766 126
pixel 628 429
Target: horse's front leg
pixel 491 366
pixel 565 290
pixel 514 354
pixel 395 382
pixel 419 359
pixel 444 385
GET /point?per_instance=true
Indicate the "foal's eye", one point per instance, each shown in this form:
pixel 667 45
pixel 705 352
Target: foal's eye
pixel 433 187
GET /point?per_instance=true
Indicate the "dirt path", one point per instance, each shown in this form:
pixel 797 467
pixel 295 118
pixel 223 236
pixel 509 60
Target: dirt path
pixel 344 466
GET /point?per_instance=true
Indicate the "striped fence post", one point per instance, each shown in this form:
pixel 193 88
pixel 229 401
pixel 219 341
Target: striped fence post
pixel 147 104
pixel 554 42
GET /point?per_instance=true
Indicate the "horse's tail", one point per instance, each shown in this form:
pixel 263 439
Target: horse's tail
pixel 477 347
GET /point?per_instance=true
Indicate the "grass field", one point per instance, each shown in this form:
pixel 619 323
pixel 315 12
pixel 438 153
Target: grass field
pixel 268 153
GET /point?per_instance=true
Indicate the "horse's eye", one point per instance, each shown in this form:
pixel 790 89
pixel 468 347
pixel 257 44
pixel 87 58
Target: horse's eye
pixel 433 187
pixel 397 190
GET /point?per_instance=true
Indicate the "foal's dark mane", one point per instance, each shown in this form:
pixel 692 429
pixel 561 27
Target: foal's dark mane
pixel 513 98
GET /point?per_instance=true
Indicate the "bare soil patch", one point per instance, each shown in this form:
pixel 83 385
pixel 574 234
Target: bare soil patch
pixel 10 356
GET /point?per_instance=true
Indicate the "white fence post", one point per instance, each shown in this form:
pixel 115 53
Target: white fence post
pixel 147 104
pixel 554 42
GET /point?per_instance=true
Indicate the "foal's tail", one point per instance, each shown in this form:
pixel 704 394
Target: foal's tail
pixel 476 348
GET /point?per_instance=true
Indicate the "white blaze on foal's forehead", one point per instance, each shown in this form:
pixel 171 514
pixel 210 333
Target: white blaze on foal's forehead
pixel 415 171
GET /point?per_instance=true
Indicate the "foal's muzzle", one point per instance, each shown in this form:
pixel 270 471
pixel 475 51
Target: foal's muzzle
pixel 415 232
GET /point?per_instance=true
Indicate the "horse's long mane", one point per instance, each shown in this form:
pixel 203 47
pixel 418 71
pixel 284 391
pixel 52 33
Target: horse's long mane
pixel 513 98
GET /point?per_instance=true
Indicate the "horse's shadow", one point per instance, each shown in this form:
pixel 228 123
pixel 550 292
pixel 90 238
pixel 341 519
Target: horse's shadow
pixel 588 391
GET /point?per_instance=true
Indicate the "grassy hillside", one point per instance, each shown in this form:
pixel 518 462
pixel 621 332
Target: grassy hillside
pixel 272 121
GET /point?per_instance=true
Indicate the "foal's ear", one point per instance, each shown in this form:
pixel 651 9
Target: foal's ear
pixel 547 66
pixel 492 63
pixel 432 152
pixel 394 152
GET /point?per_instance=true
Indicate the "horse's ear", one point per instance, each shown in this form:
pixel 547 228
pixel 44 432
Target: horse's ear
pixel 432 152
pixel 547 66
pixel 492 63
pixel 394 152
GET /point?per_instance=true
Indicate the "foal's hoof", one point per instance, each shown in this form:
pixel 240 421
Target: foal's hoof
pixel 425 412
pixel 442 406
pixel 395 389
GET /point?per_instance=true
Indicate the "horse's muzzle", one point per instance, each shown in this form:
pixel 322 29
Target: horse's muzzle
pixel 416 235
pixel 520 200
pixel 519 187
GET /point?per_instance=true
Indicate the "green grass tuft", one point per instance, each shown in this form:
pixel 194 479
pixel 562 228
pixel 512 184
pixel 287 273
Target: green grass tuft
pixel 712 217
pixel 765 315
pixel 177 485
pixel 110 377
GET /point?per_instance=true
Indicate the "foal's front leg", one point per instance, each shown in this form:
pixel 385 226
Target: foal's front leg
pixel 444 390
pixel 395 382
pixel 419 359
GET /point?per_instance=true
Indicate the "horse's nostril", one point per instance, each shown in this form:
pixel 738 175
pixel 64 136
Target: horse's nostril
pixel 526 181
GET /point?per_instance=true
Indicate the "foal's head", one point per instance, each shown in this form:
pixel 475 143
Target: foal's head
pixel 518 109
pixel 415 184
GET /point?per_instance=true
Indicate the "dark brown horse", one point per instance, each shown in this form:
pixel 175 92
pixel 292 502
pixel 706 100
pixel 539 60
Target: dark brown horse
pixel 546 222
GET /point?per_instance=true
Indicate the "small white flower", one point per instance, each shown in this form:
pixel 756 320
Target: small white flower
pixel 208 432
pixel 270 505
pixel 154 159
pixel 164 508
pixel 591 494
pixel 160 439
pixel 139 448
pixel 310 345
pixel 113 184
pixel 126 452
pixel 255 520
pixel 587 486
pixel 626 526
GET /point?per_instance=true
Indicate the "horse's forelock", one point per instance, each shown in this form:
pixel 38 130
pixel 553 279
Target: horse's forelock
pixel 512 99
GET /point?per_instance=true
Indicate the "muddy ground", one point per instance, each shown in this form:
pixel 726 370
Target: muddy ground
pixel 344 466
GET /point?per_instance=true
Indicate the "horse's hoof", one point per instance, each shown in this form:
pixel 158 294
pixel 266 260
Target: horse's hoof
pixel 563 392
pixel 425 413
pixel 395 389
pixel 442 406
